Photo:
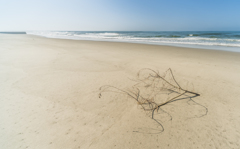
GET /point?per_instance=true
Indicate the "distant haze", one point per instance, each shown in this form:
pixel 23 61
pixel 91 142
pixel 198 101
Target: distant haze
pixel 120 15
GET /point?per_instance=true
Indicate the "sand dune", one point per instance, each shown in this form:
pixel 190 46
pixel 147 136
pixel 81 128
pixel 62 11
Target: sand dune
pixel 49 95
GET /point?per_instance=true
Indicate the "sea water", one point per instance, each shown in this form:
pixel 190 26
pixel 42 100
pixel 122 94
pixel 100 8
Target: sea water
pixel 220 40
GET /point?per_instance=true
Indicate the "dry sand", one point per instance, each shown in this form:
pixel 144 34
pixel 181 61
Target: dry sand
pixel 49 96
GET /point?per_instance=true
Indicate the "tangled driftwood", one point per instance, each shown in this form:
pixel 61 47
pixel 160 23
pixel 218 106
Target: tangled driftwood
pixel 152 90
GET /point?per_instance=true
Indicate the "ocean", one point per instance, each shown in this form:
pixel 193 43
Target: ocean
pixel 219 40
pixel 12 32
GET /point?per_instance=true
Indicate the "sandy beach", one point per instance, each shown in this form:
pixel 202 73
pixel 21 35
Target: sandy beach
pixel 49 96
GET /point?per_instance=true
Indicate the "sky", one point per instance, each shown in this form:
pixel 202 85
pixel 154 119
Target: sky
pixel 120 15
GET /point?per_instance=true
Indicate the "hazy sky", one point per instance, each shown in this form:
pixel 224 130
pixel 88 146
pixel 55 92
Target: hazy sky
pixel 120 15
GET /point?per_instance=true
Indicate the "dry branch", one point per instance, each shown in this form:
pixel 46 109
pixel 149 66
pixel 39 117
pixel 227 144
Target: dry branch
pixel 151 85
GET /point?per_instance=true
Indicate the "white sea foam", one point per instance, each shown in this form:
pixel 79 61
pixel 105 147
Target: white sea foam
pixel 102 34
pixel 189 39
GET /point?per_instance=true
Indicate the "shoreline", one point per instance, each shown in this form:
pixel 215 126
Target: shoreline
pixel 194 46
pixel 215 48
pixel 193 40
pixel 50 95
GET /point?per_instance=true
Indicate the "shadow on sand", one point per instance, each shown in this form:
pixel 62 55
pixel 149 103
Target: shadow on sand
pixel 152 92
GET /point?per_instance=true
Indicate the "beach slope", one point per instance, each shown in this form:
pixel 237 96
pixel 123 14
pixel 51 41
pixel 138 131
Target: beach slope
pixel 49 95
